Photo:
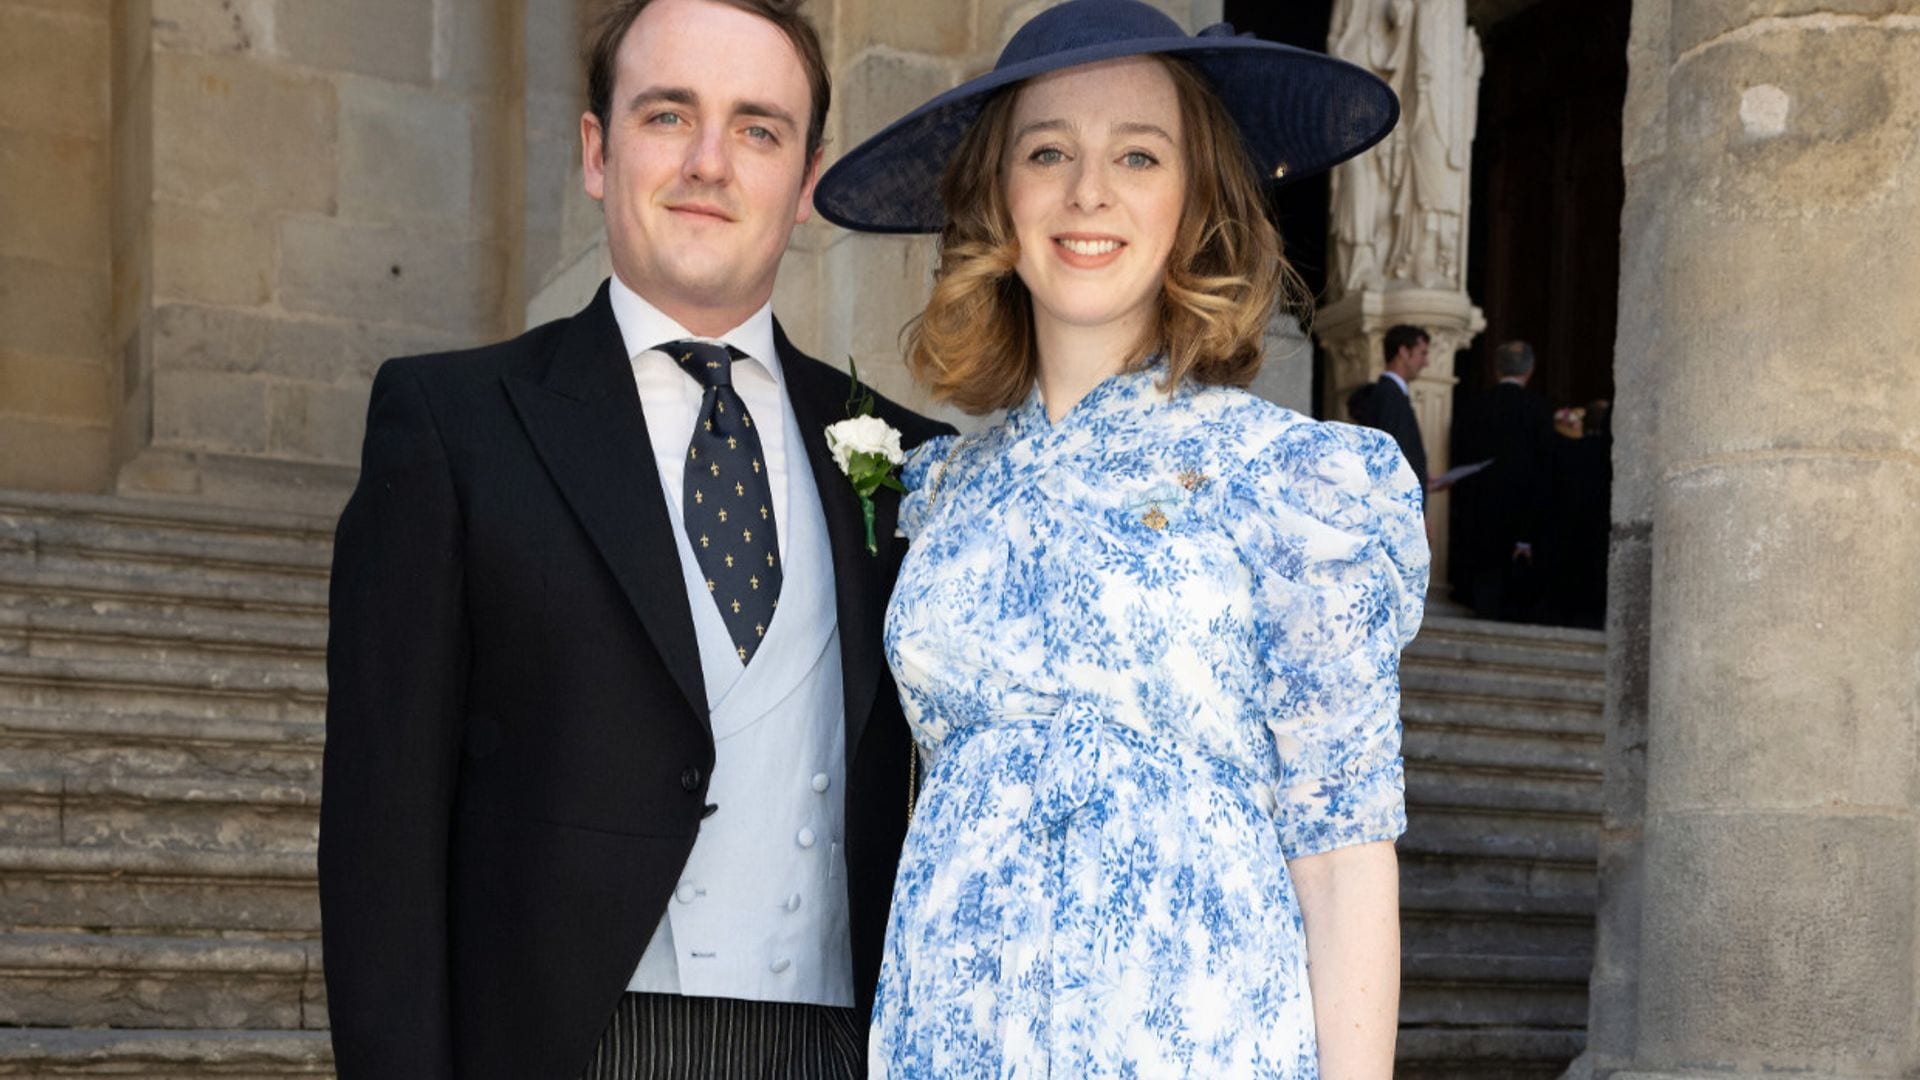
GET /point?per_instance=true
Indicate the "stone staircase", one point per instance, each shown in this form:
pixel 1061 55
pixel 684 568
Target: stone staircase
pixel 161 698
pixel 161 692
pixel 1497 869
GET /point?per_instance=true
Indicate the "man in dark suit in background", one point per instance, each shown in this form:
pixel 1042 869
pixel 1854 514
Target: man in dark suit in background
pixel 615 776
pixel 1388 403
pixel 1502 509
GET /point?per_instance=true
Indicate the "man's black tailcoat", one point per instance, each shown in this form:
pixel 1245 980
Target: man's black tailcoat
pixel 518 750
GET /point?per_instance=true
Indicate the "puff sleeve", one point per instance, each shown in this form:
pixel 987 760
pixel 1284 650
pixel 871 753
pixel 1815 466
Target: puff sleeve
pixel 921 477
pixel 1329 522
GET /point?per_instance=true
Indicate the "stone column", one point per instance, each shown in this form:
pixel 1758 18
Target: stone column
pixel 1760 897
pixel 1399 214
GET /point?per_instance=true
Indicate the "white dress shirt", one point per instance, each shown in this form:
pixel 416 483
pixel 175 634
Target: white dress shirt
pixel 670 398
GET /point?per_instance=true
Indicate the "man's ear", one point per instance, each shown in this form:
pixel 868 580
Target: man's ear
pixel 593 156
pixel 805 209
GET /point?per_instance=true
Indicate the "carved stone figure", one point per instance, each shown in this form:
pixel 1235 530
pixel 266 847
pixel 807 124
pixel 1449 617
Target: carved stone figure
pixel 1372 34
pixel 1439 113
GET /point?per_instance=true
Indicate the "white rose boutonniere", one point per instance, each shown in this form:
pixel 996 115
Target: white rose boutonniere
pixel 867 449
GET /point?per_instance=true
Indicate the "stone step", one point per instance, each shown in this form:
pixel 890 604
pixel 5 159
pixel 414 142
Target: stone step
pixel 1472 886
pixel 1465 1005
pixel 196 535
pixel 92 743
pixel 66 631
pixel 1472 833
pixel 47 1053
pixel 157 891
pixel 1520 753
pixel 1522 934
pixel 104 980
pixel 1443 784
pixel 1547 688
pixel 1555 719
pixel 1511 645
pixel 299 624
pixel 108 581
pixel 1486 1053
pixel 163 812
pixel 258 691
pixel 1493 990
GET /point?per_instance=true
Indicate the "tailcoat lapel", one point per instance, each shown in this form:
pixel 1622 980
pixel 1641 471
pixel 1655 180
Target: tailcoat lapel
pixel 819 397
pixel 584 417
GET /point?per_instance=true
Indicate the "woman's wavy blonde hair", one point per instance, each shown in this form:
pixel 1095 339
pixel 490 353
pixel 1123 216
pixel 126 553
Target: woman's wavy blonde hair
pixel 973 345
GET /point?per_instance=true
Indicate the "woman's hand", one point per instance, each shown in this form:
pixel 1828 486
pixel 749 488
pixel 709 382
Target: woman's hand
pixel 1350 899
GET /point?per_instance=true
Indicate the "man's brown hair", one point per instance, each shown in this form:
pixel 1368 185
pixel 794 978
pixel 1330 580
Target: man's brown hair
pixel 617 18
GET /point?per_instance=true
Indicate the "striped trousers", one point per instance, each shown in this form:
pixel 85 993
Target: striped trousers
pixel 669 1037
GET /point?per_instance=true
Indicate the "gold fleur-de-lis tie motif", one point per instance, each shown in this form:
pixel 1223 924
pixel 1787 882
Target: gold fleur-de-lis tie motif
pixel 724 461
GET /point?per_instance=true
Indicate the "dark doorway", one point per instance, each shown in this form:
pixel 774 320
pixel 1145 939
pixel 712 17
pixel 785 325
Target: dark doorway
pixel 1544 264
pixel 1544 234
pixel 1299 209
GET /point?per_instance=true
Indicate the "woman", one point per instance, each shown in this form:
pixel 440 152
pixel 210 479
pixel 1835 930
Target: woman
pixel 1148 630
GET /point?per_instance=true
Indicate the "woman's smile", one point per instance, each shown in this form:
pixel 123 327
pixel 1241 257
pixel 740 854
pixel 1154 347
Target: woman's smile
pixel 1086 251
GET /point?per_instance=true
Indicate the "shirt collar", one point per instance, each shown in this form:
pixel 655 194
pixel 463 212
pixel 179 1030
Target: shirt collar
pixel 1397 379
pixel 643 326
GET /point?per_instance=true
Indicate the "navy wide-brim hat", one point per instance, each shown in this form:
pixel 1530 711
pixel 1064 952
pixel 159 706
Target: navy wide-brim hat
pixel 1299 112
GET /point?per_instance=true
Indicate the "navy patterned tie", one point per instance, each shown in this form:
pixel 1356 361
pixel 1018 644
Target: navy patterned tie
pixel 726 500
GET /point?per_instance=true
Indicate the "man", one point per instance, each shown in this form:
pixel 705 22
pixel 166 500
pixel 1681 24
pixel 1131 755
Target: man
pixel 1502 509
pixel 1388 403
pixel 615 777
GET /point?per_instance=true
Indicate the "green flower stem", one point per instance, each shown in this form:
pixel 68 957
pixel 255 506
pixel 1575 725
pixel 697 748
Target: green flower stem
pixel 870 473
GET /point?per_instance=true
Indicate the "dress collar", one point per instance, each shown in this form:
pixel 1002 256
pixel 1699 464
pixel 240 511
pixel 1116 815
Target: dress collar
pixel 1119 393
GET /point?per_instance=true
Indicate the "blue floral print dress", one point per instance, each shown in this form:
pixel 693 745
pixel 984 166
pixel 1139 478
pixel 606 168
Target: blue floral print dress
pixel 1150 652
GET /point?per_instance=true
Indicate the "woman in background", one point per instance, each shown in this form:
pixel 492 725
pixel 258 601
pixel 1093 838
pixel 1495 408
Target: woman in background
pixel 1148 631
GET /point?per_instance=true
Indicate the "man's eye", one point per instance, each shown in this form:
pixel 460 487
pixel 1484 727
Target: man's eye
pixel 760 133
pixel 666 119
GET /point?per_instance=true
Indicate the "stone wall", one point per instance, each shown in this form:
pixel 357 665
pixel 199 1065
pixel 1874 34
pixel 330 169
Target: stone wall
pixel 221 215
pixel 330 184
pixel 57 376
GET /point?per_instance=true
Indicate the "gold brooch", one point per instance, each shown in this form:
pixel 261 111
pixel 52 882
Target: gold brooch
pixel 1154 519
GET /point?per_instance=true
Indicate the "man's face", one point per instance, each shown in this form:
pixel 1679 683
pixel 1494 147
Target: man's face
pixel 1413 360
pixel 702 169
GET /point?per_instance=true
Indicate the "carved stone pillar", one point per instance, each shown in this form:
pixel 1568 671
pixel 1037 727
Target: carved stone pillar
pixel 1399 216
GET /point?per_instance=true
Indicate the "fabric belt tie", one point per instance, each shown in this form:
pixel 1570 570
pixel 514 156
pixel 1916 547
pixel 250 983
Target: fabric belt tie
pixel 1069 770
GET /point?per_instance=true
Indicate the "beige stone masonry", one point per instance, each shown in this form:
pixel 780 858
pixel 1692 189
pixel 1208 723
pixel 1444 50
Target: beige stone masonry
pixel 56 371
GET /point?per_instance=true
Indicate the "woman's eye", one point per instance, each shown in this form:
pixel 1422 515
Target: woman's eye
pixel 1047 155
pixel 1139 159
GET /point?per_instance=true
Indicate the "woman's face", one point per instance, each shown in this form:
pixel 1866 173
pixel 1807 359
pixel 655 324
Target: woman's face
pixel 1095 183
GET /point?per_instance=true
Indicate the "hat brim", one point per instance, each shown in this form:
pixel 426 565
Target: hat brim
pixel 1299 113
